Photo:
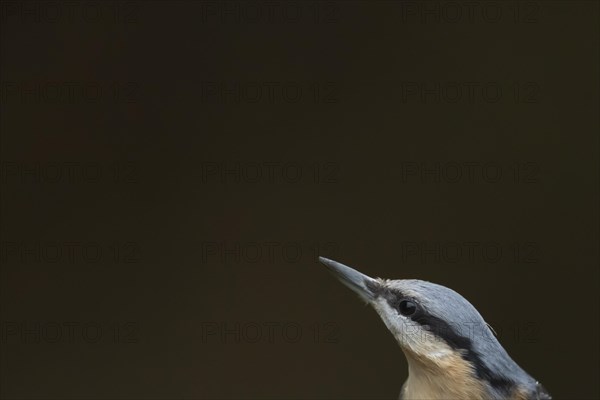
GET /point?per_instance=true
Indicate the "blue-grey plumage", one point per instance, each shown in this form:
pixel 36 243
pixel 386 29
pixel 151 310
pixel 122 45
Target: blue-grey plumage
pixel 451 351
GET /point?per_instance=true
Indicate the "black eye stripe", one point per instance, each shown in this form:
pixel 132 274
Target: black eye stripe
pixel 445 331
pixel 395 298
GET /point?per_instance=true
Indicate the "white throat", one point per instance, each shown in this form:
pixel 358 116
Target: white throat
pixel 447 376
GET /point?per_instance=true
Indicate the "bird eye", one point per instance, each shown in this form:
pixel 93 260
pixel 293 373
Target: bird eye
pixel 407 308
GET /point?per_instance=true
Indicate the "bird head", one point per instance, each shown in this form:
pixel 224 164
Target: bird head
pixel 440 332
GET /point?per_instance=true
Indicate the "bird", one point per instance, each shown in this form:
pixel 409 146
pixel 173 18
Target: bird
pixel 451 352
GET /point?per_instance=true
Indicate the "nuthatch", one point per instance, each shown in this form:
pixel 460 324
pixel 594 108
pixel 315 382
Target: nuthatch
pixel 451 351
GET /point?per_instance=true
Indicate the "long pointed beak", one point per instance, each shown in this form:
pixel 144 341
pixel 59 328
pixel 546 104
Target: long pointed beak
pixel 361 284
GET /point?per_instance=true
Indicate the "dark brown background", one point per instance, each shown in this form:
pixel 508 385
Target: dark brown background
pixel 153 141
